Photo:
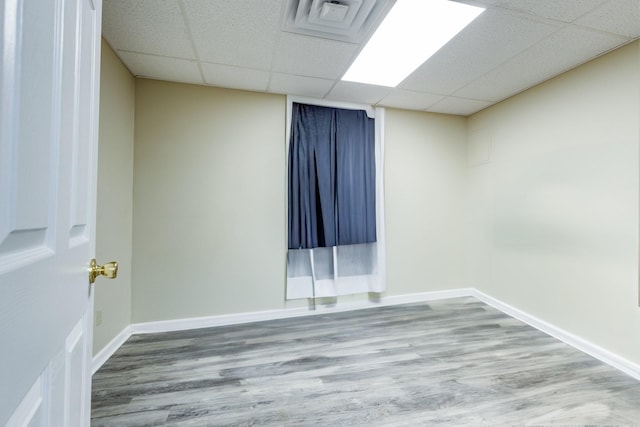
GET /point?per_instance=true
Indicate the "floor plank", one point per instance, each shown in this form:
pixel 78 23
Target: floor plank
pixel 451 362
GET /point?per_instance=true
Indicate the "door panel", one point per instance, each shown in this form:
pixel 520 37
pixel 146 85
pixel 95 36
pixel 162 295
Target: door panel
pixel 31 410
pixel 27 164
pixel 75 355
pixel 82 168
pixel 49 52
pixel 58 396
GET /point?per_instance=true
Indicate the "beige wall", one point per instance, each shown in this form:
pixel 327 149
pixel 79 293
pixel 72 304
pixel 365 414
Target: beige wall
pixel 115 196
pixel 555 211
pixel 425 183
pixel 209 201
pixel 209 216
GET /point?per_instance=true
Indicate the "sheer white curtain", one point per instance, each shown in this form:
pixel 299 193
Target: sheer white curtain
pixel 348 269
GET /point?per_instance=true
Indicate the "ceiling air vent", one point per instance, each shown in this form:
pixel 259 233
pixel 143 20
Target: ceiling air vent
pixel 344 20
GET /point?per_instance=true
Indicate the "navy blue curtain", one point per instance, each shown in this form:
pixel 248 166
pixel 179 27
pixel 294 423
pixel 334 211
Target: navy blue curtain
pixel 332 181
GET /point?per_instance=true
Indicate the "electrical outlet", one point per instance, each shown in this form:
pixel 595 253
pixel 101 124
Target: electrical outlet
pixel 98 317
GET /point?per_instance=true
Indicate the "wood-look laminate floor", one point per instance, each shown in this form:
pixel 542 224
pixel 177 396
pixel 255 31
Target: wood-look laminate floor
pixel 451 362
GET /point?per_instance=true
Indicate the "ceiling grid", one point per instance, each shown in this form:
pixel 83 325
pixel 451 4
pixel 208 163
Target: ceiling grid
pixel 258 45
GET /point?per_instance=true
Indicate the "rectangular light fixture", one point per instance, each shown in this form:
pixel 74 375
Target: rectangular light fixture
pixel 411 33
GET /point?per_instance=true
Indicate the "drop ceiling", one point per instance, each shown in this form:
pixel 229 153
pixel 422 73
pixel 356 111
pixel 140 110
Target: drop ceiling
pixel 257 45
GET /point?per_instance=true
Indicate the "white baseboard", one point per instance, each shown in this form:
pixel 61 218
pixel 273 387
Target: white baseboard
pixel 258 316
pixel 581 344
pixel 612 359
pixel 108 350
pixel 427 296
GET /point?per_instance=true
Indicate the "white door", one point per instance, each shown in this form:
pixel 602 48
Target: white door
pixel 49 85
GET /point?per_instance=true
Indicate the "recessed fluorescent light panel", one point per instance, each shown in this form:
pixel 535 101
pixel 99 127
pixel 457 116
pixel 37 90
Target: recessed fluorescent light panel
pixel 409 35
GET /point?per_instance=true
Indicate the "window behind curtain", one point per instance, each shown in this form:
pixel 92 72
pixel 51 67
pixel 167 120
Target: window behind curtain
pixel 332 177
pixel 334 203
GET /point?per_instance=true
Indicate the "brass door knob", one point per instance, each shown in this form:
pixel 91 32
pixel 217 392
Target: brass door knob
pixel 109 270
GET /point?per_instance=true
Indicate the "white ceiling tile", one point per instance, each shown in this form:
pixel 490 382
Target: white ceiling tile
pixel 161 68
pixel 459 106
pixel 554 55
pixel 312 56
pixel 493 38
pixel 299 85
pixel 565 11
pixel 616 16
pixel 407 99
pixel 512 46
pixel 148 26
pixel 235 33
pixel 358 92
pixel 235 77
